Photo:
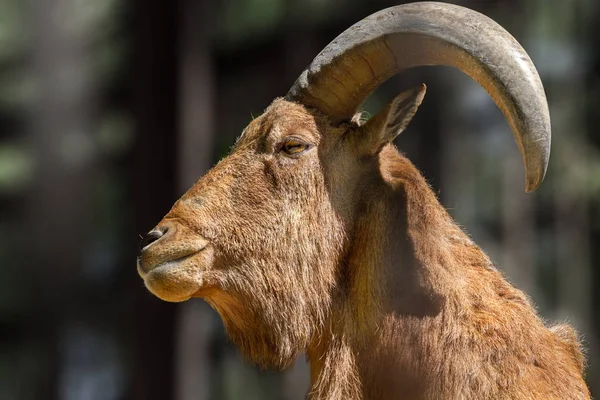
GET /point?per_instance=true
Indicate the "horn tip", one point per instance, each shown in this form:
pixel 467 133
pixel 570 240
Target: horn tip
pixel 536 162
pixel 531 187
pixel 533 182
pixel 422 90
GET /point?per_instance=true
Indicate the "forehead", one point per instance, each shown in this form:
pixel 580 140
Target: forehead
pixel 282 118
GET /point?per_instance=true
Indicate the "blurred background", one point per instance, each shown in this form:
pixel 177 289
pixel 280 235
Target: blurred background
pixel 110 110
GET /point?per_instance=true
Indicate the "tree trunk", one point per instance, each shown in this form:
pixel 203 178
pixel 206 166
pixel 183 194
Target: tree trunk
pixel 154 74
pixel 194 327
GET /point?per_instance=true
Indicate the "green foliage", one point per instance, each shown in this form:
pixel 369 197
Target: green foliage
pixel 14 32
pixel 16 168
pixel 245 19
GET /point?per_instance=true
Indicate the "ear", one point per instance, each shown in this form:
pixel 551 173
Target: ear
pixel 389 122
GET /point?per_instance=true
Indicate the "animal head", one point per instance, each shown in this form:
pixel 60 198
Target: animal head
pixel 263 236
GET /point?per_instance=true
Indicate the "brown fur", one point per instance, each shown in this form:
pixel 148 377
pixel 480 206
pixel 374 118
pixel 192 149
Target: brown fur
pixel 351 259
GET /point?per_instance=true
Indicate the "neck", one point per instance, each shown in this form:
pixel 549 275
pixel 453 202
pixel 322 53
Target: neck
pixel 396 295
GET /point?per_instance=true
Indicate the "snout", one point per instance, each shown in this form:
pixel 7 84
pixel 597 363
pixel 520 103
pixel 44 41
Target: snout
pixel 152 237
pixel 172 260
pixel 171 241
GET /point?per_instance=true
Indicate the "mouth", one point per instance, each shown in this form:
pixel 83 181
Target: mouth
pixel 164 266
pixel 178 278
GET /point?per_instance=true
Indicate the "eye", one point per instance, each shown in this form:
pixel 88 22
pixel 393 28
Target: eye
pixel 294 146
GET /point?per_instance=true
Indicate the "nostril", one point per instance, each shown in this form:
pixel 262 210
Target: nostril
pixel 151 237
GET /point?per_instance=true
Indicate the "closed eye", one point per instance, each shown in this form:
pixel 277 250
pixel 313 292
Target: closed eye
pixel 293 146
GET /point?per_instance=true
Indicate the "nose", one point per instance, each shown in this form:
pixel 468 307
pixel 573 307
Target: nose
pixel 152 237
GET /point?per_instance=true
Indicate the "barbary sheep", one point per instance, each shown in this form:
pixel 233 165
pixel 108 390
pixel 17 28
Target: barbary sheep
pixel 317 235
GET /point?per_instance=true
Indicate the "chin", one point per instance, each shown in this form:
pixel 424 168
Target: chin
pixel 172 281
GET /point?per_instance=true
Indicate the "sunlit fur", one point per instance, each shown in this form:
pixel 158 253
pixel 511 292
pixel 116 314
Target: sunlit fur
pixel 351 259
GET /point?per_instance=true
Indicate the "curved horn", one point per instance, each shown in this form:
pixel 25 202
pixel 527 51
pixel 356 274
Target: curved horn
pixel 351 67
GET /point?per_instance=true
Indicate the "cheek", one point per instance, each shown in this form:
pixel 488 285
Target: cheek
pixel 298 181
pixel 277 210
pixel 245 217
pixel 277 191
pixel 309 217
